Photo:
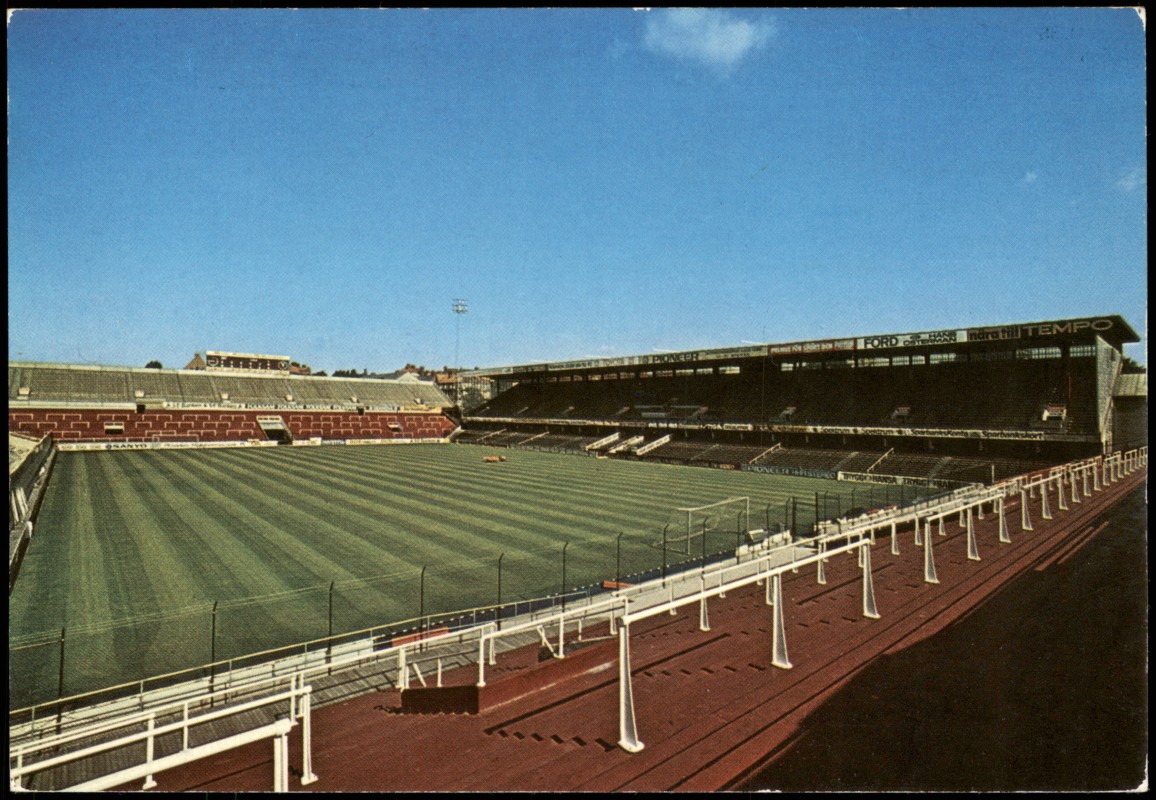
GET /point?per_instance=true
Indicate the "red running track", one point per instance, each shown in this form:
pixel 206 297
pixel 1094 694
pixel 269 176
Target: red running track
pixel 709 704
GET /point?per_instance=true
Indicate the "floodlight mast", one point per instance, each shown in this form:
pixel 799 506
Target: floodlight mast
pixel 460 308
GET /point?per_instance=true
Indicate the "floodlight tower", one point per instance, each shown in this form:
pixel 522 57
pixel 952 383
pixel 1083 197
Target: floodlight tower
pixel 460 308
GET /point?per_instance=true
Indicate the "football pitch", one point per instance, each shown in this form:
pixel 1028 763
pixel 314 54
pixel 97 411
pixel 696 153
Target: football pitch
pixel 162 560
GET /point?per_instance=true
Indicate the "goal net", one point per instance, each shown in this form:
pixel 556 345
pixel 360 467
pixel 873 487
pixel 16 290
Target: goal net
pixel 724 523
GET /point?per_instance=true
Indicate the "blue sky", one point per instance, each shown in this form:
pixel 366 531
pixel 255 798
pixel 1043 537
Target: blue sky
pixel 322 184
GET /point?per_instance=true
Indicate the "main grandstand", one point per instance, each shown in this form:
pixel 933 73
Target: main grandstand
pixel 964 404
pixel 1010 421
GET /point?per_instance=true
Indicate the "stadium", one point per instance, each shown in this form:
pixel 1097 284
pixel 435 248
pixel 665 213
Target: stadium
pixel 638 573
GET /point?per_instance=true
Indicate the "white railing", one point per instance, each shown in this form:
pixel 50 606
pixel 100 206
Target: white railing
pixel 297 696
pixel 858 535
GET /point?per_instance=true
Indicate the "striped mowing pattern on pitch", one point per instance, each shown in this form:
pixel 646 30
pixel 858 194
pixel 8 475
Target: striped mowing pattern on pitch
pixel 132 549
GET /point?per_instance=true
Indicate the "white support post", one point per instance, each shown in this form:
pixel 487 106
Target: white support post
pixel 859 557
pixel 918 534
pixel 627 727
pixel 402 671
pixel 482 661
pixel 1096 487
pixel 1003 532
pixel 961 522
pixel 972 547
pixel 770 600
pixel 278 788
pixel 928 557
pixel 1075 492
pixel 493 655
pixel 561 638
pixel 293 681
pixel 778 634
pixel 150 752
pixel 673 612
pixel 979 511
pixel 721 582
pixel 417 672
pixel 543 638
pixel 1084 473
pixel 1060 492
pixel 894 540
pixel 185 729
pixel 439 683
pixel 941 531
pixel 307 776
pixel 821 564
pixel 703 619
pixel 1025 517
pixel 1045 510
pixel 869 609
pixel 280 765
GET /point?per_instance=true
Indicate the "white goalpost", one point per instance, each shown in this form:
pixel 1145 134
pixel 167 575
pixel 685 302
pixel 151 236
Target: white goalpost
pixel 734 512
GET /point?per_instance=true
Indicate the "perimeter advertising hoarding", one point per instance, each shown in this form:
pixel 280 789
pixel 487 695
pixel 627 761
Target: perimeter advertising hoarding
pixel 996 333
pixel 954 433
pixel 946 336
pixel 681 357
pixel 1037 329
pixel 249 362
pixel 823 346
pixel 924 338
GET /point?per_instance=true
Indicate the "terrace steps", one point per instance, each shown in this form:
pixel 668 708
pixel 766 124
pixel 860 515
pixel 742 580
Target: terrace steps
pixel 707 738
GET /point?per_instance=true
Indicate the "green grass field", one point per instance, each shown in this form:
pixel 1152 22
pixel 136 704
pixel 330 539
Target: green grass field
pixel 132 549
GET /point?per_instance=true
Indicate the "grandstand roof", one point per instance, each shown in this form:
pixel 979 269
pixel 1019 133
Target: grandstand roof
pixel 32 382
pixel 1112 328
pixel 19 446
pixel 1132 385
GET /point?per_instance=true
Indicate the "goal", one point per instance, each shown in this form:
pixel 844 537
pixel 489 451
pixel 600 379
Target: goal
pixel 726 516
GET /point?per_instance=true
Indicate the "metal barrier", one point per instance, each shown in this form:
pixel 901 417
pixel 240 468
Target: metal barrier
pixel 858 535
pixel 297 696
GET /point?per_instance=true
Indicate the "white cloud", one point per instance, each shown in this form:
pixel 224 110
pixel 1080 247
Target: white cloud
pixel 711 36
pixel 1132 180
